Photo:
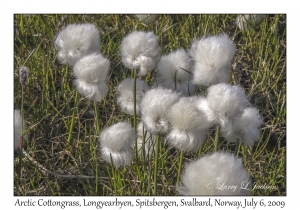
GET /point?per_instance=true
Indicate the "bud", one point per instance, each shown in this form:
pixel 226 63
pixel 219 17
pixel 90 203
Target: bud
pixel 23 74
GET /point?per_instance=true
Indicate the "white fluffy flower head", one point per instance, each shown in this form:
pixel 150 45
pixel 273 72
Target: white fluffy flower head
pixel 140 50
pixel 92 68
pixel 117 141
pixel 212 59
pixel 188 125
pixel 76 41
pixel 90 90
pixel 154 108
pixel 173 72
pixel 206 175
pixel 226 101
pixel 245 127
pixel 125 95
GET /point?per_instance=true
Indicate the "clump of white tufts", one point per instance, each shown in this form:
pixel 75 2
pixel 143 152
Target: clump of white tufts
pixel 17 129
pixel 116 142
pixel 173 72
pixel 92 68
pixel 147 19
pixel 154 108
pixel 212 59
pixel 76 41
pixel 149 141
pixel 140 50
pixel 92 91
pixel 225 102
pixel 207 175
pixel 125 98
pixel 245 127
pixel 244 21
pixel 188 125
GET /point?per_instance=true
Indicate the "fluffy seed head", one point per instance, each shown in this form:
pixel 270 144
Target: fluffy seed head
pixel 154 108
pixel 125 98
pixel 140 50
pixel 116 144
pixel 120 158
pixel 173 72
pixel 245 127
pixel 226 101
pixel 76 41
pixel 90 90
pixel 188 125
pixel 92 68
pixel 207 175
pixel 118 136
pixel 212 59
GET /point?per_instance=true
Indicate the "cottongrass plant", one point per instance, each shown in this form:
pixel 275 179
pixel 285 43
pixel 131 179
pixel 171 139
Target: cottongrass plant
pixel 91 74
pixel 125 95
pixel 154 108
pixel 216 174
pixel 245 127
pixel 76 41
pixel 212 58
pixel 173 72
pixel 140 50
pixel 188 125
pixel 116 144
pixel 249 20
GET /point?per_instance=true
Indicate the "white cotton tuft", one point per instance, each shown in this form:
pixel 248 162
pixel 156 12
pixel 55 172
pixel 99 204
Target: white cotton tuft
pixel 92 68
pixel 210 114
pixel 226 101
pixel 149 141
pixel 76 41
pixel 147 19
pixel 245 127
pixel 17 129
pixel 216 174
pixel 173 72
pixel 212 59
pixel 188 125
pixel 154 108
pixel 92 91
pixel 244 21
pixel 140 50
pixel 118 140
pixel 125 96
pixel 119 158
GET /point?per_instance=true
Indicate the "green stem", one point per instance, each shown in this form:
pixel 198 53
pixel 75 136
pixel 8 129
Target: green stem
pixel 180 166
pixel 73 118
pixel 217 136
pixel 134 112
pixel 156 163
pixel 237 149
